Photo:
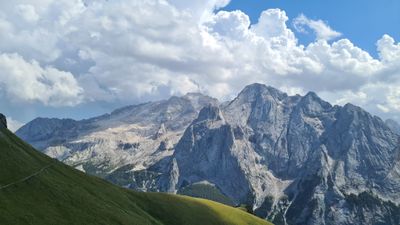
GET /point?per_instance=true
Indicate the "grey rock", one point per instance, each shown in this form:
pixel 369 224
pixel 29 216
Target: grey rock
pixel 393 125
pixel 135 135
pixel 204 154
pixel 3 121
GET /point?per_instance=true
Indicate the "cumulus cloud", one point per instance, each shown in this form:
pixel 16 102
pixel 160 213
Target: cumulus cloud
pixel 272 25
pixel 201 10
pixel 71 52
pixel 389 51
pixel 234 25
pixel 320 28
pixel 28 81
pixel 379 98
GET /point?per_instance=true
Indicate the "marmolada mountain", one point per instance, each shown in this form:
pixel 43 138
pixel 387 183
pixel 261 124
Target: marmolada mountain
pixel 38 190
pixel 287 159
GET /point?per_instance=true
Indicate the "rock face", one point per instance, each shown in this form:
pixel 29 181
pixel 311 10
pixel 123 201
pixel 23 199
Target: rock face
pixel 291 159
pixel 392 124
pixel 216 164
pixel 3 121
pixel 138 135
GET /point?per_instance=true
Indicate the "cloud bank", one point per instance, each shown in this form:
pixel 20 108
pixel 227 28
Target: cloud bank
pixel 70 52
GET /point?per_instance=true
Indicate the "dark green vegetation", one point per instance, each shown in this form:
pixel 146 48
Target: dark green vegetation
pixel 124 177
pixel 35 189
pixel 206 191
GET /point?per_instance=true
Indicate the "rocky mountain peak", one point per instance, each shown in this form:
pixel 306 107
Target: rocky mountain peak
pixel 312 96
pixel 199 100
pixel 313 104
pixel 256 91
pixel 354 114
pixel 209 112
pixel 3 121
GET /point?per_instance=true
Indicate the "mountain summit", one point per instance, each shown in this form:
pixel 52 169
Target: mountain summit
pixel 290 159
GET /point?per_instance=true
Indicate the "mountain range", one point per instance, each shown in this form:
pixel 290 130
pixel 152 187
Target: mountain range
pixel 289 159
pixel 36 189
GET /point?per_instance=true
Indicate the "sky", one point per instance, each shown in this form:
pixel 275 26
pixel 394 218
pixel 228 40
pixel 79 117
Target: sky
pixel 361 21
pixel 82 58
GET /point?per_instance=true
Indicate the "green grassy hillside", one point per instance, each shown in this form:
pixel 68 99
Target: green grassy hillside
pixel 35 189
pixel 206 191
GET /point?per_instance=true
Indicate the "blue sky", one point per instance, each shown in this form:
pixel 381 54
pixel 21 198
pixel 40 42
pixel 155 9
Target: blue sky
pixel 79 59
pixel 361 21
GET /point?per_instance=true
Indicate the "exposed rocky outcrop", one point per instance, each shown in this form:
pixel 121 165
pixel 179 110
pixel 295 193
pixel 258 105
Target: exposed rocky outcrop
pixel 3 121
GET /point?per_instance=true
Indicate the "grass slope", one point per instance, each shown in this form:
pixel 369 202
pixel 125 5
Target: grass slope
pixel 44 191
pixel 206 191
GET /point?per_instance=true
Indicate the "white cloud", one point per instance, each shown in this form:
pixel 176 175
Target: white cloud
pixel 320 28
pixel 389 51
pixel 201 10
pixel 27 12
pixel 272 25
pixel 13 125
pixel 28 81
pixel 234 25
pixel 149 49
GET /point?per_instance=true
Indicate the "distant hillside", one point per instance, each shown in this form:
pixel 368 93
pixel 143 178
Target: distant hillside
pixel 35 189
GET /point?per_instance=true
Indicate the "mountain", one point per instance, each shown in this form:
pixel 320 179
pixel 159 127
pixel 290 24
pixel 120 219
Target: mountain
pixel 290 159
pixel 140 134
pixel 35 189
pixel 392 124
